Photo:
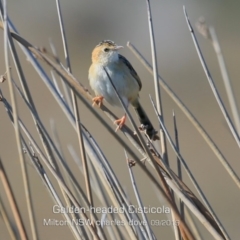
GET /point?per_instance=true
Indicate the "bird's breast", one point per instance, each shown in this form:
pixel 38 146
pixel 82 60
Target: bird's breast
pixel 124 82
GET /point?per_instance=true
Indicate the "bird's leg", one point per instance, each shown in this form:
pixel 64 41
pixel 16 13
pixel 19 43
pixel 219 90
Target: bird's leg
pixel 120 122
pixel 98 101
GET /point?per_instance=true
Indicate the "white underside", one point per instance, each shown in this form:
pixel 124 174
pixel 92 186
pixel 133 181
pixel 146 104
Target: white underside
pixel 124 82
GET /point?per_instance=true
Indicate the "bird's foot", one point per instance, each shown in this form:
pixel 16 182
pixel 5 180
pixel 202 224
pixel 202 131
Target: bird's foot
pixel 97 101
pixel 120 122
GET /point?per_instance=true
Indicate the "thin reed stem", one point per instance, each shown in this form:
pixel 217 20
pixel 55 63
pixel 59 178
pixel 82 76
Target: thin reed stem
pixel 209 33
pixel 6 220
pixel 20 225
pixel 139 200
pixel 156 83
pixel 12 202
pixel 179 167
pixel 211 82
pixel 76 112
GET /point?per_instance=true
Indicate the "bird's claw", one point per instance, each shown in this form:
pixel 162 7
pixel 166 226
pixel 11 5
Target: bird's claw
pixel 120 122
pixel 97 101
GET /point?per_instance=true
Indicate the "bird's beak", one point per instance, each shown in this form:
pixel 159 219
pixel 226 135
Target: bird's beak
pixel 118 47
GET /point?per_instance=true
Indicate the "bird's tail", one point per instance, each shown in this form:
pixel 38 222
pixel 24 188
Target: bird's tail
pixel 144 120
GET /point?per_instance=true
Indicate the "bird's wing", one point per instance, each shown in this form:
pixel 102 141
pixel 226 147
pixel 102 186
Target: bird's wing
pixel 133 72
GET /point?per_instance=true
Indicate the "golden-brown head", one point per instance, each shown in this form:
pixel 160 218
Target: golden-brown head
pixel 105 52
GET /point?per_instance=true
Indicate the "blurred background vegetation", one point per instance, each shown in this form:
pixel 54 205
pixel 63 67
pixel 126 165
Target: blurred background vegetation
pixel 87 22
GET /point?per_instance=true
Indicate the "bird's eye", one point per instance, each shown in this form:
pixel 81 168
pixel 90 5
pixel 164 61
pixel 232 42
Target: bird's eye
pixel 106 49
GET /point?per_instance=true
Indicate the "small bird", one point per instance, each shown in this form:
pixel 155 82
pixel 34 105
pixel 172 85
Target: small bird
pixel 125 79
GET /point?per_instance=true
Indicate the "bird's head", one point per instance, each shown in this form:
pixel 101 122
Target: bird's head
pixel 105 52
